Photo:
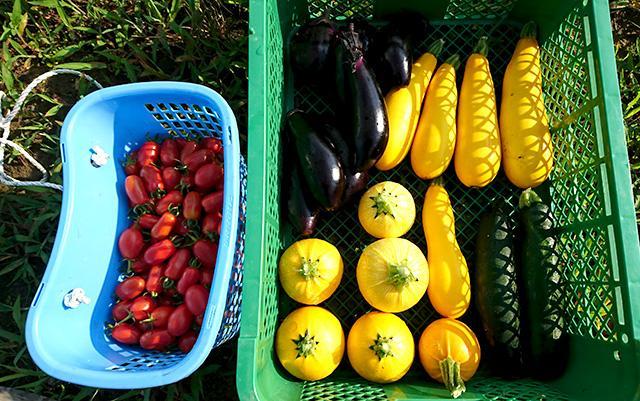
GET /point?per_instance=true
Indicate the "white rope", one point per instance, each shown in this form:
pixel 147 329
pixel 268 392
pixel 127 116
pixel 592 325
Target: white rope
pixel 5 124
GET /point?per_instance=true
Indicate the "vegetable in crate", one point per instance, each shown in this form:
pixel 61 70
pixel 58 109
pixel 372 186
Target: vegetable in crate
pixel 435 137
pixel 302 212
pixel 496 291
pixel 319 165
pixel 387 210
pixel 543 324
pixel 392 274
pixel 477 153
pixel 363 114
pixel 526 141
pixel 449 353
pixel 310 270
pixel 310 343
pixel 403 108
pixel 380 347
pixel 450 289
pixel 311 51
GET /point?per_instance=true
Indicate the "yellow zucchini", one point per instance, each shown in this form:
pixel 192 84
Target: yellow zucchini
pixel 435 137
pixel 477 153
pixel 403 108
pixel 524 128
pixel 449 283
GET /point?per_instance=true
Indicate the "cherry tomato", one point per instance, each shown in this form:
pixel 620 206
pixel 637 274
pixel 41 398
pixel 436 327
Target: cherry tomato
pixel 199 320
pixel 148 153
pixel 187 341
pixel 148 220
pixel 154 281
pixel 135 189
pixel 190 277
pixel 177 264
pixel 164 226
pixel 191 206
pixel 171 178
pixel 188 148
pixel 209 175
pixel 209 224
pixel 159 252
pixel 142 306
pixel 158 318
pixel 173 198
pixel 130 288
pixel 206 252
pixel 181 142
pixel 130 242
pixel 152 178
pixel 213 202
pixel 131 164
pixel 197 159
pixel 164 300
pixel 156 340
pixel 120 310
pixel 126 334
pixel 207 277
pixel 214 144
pixel 169 152
pixel 181 226
pixel 138 266
pixel 196 299
pixel 180 321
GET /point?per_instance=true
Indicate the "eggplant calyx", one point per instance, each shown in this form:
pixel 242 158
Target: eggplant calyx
pixel 309 268
pixel 305 344
pixel 382 347
pixel 351 41
pixel 451 377
pixel 384 204
pixel 400 274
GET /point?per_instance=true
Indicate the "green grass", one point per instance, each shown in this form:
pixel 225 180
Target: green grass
pixel 123 41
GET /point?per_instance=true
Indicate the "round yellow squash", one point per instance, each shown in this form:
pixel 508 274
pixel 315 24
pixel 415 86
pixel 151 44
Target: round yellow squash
pixel 387 210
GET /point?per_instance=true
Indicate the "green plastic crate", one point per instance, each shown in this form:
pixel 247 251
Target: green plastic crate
pixel 590 192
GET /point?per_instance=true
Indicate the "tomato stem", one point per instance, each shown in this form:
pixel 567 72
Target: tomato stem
pixel 382 346
pixel 400 274
pixel 305 344
pixel 309 268
pixel 383 203
pixel 451 378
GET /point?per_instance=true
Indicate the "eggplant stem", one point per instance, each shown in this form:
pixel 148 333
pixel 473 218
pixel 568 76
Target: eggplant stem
pixel 529 30
pixel 305 344
pixel 451 378
pixel 528 198
pixel 436 48
pixel 482 47
pixel 382 347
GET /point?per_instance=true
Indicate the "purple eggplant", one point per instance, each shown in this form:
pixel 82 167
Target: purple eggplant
pixel 302 212
pixel 311 49
pixel 363 114
pixel 319 165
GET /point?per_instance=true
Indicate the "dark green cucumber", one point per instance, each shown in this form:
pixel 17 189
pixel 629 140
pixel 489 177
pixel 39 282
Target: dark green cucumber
pixel 496 289
pixel 545 338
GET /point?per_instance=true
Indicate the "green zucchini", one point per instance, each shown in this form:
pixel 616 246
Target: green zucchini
pixel 545 340
pixel 496 289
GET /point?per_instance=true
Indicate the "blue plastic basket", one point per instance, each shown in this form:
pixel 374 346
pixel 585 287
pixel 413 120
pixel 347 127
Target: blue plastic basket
pixel 72 344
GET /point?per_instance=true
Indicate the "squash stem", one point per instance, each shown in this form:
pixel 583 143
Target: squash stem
pixel 400 274
pixel 305 344
pixel 482 47
pixel 309 268
pixel 528 198
pixel 451 378
pixel 436 48
pixel 382 346
pixel 528 30
pixel 438 181
pixel 453 61
pixel 383 204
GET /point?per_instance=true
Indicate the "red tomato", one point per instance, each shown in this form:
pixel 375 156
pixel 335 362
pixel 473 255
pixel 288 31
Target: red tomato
pixel 154 281
pixel 148 153
pixel 171 178
pixel 148 220
pixel 199 319
pixel 181 142
pixel 152 178
pixel 187 341
pixel 186 183
pixel 156 339
pixel 177 264
pixel 180 321
pixel 196 299
pixel 164 300
pixel 160 316
pixel 213 202
pixel 207 277
pixel 206 252
pixel 209 224
pixel 190 277
pixel 188 148
pixel 142 306
pixel 173 198
pixel 130 242
pixel 214 144
pixel 126 334
pixel 164 226
pixel 130 288
pixel 159 252
pixel 135 189
pixel 169 152
pixel 209 175
pixel 138 266
pixel 120 310
pixel 181 226
pixel 191 206
pixel 197 159
pixel 131 164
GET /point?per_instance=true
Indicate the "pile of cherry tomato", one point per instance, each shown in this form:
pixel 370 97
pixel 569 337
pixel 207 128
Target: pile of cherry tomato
pixel 175 191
